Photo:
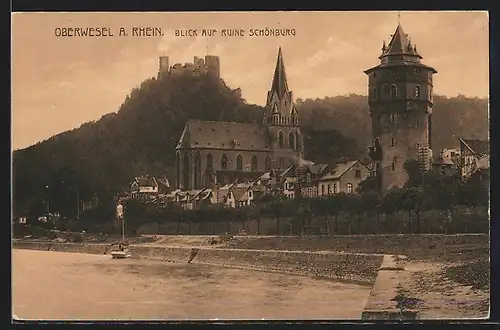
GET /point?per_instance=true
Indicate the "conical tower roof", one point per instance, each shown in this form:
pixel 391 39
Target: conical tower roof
pixel 400 45
pixel 279 84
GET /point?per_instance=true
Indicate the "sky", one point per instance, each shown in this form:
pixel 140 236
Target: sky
pixel 59 83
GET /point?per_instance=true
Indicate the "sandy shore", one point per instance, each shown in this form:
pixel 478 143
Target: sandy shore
pixel 74 286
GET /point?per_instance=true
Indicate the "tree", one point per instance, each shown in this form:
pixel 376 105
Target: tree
pixel 391 203
pixel 412 199
pixel 412 168
pixel 334 206
pixel 370 202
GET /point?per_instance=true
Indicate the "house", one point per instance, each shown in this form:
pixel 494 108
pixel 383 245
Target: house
pixel 186 200
pixel 289 182
pixel 343 177
pixel 143 187
pixel 446 166
pixel 308 176
pixel 242 194
pixel 474 156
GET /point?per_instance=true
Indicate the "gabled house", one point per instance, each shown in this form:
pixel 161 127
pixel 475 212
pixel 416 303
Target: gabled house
pixel 289 183
pixel 308 176
pixel 143 187
pixel 242 194
pixel 474 156
pixel 445 166
pixel 343 177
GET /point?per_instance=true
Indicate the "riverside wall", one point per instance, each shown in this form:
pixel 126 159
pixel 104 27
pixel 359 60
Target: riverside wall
pixel 352 267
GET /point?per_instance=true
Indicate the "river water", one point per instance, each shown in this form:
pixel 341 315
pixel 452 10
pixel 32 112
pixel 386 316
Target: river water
pixel 74 286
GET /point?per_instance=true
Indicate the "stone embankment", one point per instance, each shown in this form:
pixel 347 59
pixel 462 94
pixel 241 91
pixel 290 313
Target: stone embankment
pixel 355 267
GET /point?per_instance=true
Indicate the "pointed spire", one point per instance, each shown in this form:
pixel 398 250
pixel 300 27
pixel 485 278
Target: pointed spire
pixel 384 47
pixel 279 84
pixel 400 44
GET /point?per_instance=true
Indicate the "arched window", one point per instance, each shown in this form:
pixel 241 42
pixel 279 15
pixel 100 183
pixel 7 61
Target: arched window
pixel 417 92
pixel 223 162
pixel 197 170
pixel 239 163
pixel 210 162
pixel 254 164
pixel 280 139
pixel 178 165
pixel 267 164
pixel 291 140
pixel 394 92
pixel 185 172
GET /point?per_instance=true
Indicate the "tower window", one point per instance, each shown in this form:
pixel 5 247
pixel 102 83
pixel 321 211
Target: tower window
pixel 417 92
pixel 291 140
pixel 418 123
pixel 393 165
pixel 393 118
pixel 280 139
pixel 392 142
pixel 239 163
pixel 394 92
pixel 223 162
pixel 374 93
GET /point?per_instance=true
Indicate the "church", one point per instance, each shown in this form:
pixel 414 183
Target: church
pixel 211 152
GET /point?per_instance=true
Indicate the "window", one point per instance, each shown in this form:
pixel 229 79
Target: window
pixel 430 94
pixel 417 70
pixel 358 174
pixel 239 163
pixel 418 146
pixel 418 123
pixel 393 118
pixel 186 172
pixel 349 188
pixel 329 189
pixel 308 177
pixel 280 139
pixel 374 93
pixel 249 193
pixel 392 142
pixel 393 71
pixel 197 170
pixel 393 165
pixel 267 164
pixel 209 162
pixel 322 189
pixel 394 92
pixel 254 164
pixel 335 188
pixel 291 140
pixel 223 162
pixel 417 92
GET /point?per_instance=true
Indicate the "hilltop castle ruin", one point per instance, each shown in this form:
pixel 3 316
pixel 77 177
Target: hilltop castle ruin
pixel 208 66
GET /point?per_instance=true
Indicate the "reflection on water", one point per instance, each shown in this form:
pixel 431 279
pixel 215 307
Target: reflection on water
pixel 57 285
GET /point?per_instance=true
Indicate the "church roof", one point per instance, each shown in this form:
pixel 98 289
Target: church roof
pixel 199 134
pixel 279 84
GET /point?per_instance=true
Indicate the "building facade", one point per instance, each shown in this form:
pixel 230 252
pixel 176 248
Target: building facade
pixel 400 101
pixel 474 156
pixel 212 153
pixel 343 178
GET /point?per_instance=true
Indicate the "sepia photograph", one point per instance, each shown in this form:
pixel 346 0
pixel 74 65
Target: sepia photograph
pixel 286 165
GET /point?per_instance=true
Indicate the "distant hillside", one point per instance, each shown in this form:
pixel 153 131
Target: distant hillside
pixel 452 118
pixel 102 156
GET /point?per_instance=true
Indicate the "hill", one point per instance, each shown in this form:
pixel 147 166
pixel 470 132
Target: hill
pixel 103 156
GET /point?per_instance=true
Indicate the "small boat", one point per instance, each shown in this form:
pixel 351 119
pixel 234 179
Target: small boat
pixel 123 254
pixel 123 251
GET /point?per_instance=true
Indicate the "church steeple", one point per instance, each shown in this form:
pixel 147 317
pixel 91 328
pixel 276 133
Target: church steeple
pixel 279 84
pixel 279 108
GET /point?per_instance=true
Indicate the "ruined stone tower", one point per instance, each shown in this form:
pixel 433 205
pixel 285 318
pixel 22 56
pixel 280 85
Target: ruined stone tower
pixel 400 100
